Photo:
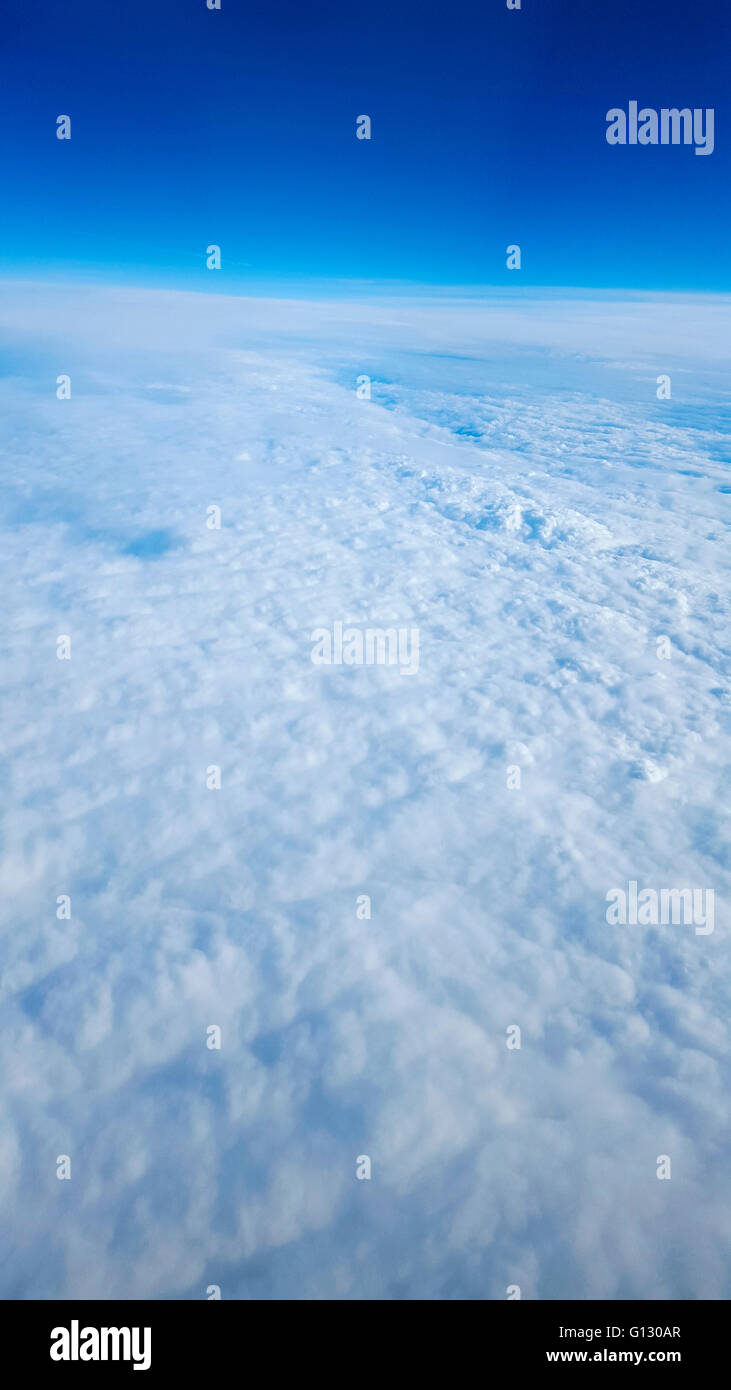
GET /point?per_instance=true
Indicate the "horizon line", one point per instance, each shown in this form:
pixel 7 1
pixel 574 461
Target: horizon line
pixel 265 288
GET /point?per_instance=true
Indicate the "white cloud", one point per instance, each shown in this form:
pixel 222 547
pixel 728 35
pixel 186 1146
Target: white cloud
pixel 542 518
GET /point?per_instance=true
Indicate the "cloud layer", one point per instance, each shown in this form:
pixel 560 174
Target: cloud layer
pixel 516 491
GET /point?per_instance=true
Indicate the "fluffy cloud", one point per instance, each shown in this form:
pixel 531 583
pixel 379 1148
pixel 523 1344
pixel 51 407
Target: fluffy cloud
pixel 515 490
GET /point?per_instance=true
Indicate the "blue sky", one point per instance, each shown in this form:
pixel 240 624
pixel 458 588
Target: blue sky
pixel 191 127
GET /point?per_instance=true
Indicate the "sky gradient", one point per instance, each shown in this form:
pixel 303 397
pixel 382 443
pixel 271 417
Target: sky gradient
pixel 237 127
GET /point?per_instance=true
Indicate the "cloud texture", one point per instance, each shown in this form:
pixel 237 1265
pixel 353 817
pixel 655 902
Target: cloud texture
pixel 516 491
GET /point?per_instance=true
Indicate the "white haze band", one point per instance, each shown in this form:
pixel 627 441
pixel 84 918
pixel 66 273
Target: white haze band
pixel 650 127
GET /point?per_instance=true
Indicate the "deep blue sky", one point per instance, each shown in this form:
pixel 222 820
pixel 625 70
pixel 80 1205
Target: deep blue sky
pixel 238 127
